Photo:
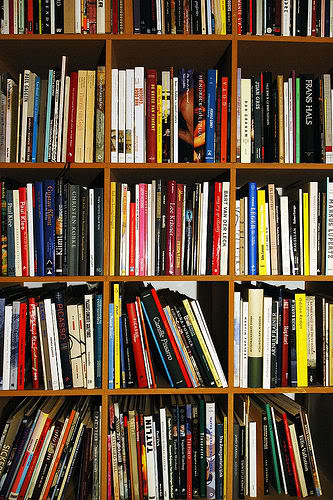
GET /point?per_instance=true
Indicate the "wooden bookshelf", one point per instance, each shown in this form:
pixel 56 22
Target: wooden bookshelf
pixel 253 53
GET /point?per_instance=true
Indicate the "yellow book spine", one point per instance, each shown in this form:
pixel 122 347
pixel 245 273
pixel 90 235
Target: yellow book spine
pixel 301 340
pixel 202 342
pixel 306 233
pixel 225 457
pixel 223 17
pixel 90 114
pixel 159 124
pixel 112 228
pixel 262 232
pixel 116 337
pixel 80 116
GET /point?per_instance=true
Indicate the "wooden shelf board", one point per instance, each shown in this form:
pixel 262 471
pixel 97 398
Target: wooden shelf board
pixel 52 165
pixel 64 392
pixel 169 278
pixel 170 37
pixel 168 390
pixel 281 278
pixel 279 390
pixel 64 36
pixel 187 166
pixel 22 279
pixel 282 166
pixel 282 39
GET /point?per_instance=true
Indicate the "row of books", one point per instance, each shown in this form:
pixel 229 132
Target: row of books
pixel 186 118
pixel 169 228
pixel 273 448
pixel 60 119
pixel 284 231
pixel 198 17
pixel 288 120
pixel 51 227
pixel 282 337
pixel 149 329
pixel 167 447
pixel 52 17
pixel 51 336
pixel 288 18
pixel 50 447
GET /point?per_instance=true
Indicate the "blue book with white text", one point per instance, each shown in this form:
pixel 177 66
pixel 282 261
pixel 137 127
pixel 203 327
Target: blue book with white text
pixel 36 119
pixel 39 227
pixel 49 227
pixel 210 115
pixel 253 228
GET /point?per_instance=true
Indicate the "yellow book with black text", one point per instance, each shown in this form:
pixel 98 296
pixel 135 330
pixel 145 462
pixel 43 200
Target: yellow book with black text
pixel 261 232
pixel 116 336
pixel 224 17
pixel 306 248
pixel 301 340
pixel 112 227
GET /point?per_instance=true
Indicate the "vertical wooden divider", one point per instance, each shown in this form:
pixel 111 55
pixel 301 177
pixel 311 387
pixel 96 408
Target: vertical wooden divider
pixel 107 108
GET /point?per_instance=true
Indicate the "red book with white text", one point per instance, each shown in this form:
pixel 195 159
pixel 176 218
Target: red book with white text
pixel 216 253
pixel 21 351
pixel 239 17
pixel 34 343
pixel 137 346
pixel 170 228
pixel 24 231
pixel 224 119
pixel 285 342
pixel 151 116
pixel 71 130
pixel 179 228
pixel 30 17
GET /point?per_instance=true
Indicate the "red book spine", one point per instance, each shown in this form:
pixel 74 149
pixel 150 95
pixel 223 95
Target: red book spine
pixel 285 342
pixel 188 456
pixel 72 117
pixel 239 17
pixel 24 231
pixel 179 228
pixel 171 338
pixel 314 16
pixel 224 119
pixel 137 347
pixel 151 116
pixel 250 18
pixel 217 228
pixel 21 353
pixel 30 17
pixel 132 241
pixel 292 456
pixel 34 343
pixel 109 473
pixel 170 228
pixel 11 17
pixel 115 18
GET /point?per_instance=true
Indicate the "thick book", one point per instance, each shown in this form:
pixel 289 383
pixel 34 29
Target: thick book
pixel 49 226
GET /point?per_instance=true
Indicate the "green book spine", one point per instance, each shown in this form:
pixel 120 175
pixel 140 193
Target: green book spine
pixel 255 371
pixel 273 449
pixel 298 121
pixel 202 448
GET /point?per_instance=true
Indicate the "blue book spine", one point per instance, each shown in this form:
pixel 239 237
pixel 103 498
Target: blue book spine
pixel 98 339
pixel 39 227
pixel 111 346
pixel 253 228
pixel 49 226
pixel 10 233
pixel 14 346
pixel 48 115
pixel 219 461
pixel 36 120
pixel 157 345
pixel 210 115
pixel 122 352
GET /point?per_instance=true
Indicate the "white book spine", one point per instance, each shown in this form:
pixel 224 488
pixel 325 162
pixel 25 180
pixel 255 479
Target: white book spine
pixel 77 14
pixel 237 239
pixel 159 17
pixel 252 459
pixel 153 218
pixel 52 9
pixel 285 18
pixel 91 233
pixel 129 149
pixel 65 119
pixel 139 112
pixel 7 347
pixel 225 228
pixel 26 82
pixel 164 449
pixel 121 115
pixel 114 117
pixel 243 346
pixel 329 230
pixel 51 344
pixel 331 18
pixel 246 235
pixel 61 107
pixel 284 211
pixel 175 119
pixel 268 246
pixel 75 351
pixel 259 18
pixel 313 226
pixel 209 17
pixel 294 18
pixel 90 359
pixel 137 229
pixel 41 347
pixel 309 19
pixel 290 121
pixel 100 25
pixel 267 346
pixel 245 120
pixel 5 25
pixel 17 233
pixel 149 230
pixel 286 121
pixel 30 214
pixel 8 124
pixel 203 234
pixel 148 423
pixel 57 347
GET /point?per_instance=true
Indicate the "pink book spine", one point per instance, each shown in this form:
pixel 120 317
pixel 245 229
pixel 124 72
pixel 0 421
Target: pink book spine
pixel 142 229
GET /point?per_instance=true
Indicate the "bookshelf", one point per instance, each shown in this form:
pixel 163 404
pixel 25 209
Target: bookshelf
pixel 253 53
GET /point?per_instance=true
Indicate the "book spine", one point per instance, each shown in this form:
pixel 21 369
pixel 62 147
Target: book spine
pixel 73 91
pixel 10 233
pixel 151 116
pixel 100 114
pixel 99 230
pixel 253 230
pixel 49 214
pixel 24 231
pixel 139 155
pixel 170 228
pixel 98 330
pixel 210 115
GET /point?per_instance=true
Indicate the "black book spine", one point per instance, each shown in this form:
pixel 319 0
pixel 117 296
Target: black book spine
pixel 130 371
pixel 179 16
pixel 167 16
pixel 46 17
pixel 196 16
pixel 266 453
pixel 235 489
pixel 73 229
pixel 195 452
pixel 84 231
pixel 59 16
pixel 327 18
pixel 229 17
pixel 275 123
pixel 292 345
pixel 245 9
pixel 274 338
pixel 257 120
pixel 59 227
pixel 268 119
pixel 254 18
pixel 294 238
pixel 279 343
pixel 99 230
pixel 242 461
pixel 65 231
pixel 269 17
pixel 61 315
pixel 153 17
pixel 286 461
pixel 143 20
pixel 136 16
pixel 298 17
pixel 307 119
pixel 303 449
pixel 188 242
pixel 318 18
pixel 36 18
pixel 158 227
pixel 182 449
pixel 176 450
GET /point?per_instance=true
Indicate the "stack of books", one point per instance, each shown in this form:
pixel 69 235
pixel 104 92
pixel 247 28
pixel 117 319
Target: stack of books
pixel 284 231
pixel 273 448
pixel 290 118
pixel 288 18
pixel 51 227
pixel 168 447
pixel 56 120
pixel 44 441
pixel 52 17
pixel 147 328
pixel 187 116
pixel 169 228
pixel 51 337
pixel 282 337
pixel 199 17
